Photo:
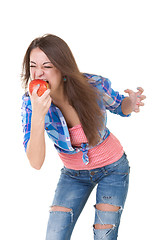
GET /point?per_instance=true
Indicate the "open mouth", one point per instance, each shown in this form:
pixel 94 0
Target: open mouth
pixel 42 80
pixel 47 83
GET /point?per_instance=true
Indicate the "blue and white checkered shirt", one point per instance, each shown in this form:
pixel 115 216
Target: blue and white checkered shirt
pixel 56 126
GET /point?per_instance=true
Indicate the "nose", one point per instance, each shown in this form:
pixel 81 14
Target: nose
pixel 38 73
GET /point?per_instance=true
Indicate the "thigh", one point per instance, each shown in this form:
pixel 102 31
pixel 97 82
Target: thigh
pixel 113 187
pixel 110 199
pixel 72 192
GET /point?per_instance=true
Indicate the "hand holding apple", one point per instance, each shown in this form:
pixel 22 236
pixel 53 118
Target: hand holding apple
pixel 39 92
pixel 42 88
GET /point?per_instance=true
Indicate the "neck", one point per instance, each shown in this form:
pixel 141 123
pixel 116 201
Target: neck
pixel 59 98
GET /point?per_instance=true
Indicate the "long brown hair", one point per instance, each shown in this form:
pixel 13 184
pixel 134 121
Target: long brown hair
pixel 81 94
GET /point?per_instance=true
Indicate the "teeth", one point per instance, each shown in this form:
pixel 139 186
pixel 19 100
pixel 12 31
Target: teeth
pixel 45 80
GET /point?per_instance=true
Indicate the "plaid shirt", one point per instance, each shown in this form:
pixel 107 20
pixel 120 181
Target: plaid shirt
pixel 56 126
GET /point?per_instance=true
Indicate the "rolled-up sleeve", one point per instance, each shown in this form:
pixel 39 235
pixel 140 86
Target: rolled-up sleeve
pixel 26 114
pixel 112 99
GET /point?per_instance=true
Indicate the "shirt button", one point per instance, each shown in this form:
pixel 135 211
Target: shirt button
pixel 92 173
pixel 46 128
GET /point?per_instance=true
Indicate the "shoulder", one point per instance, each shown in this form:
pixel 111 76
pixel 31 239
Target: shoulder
pixel 98 81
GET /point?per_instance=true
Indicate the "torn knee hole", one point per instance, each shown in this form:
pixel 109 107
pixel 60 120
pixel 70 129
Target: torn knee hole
pixel 107 207
pixel 103 226
pixel 60 209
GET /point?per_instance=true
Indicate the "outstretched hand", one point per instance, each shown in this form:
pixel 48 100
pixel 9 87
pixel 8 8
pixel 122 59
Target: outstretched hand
pixel 136 98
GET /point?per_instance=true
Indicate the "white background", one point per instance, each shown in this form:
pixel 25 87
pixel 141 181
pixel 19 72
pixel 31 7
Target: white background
pixel 116 39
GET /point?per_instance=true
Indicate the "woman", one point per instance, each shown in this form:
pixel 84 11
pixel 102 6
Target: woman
pixel 73 113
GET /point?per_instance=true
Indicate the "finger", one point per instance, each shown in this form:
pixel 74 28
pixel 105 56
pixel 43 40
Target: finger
pixel 35 89
pixel 137 110
pixel 49 101
pixel 140 104
pixel 140 89
pixel 129 91
pixel 45 94
pixel 141 97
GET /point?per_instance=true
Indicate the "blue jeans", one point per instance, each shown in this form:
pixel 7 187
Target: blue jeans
pixel 73 190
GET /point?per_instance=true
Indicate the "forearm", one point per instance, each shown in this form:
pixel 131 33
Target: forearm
pixel 126 106
pixel 36 144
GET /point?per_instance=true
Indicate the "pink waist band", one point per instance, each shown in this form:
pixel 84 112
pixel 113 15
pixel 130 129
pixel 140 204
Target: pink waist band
pixel 108 152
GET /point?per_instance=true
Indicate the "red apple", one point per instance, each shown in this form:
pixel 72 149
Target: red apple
pixel 43 86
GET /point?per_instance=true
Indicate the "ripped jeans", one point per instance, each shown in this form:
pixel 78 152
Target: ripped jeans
pixel 73 190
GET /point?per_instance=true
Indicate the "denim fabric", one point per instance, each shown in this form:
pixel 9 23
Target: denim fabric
pixel 73 190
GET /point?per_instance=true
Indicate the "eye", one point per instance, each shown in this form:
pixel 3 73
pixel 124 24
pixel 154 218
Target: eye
pixel 47 67
pixel 31 66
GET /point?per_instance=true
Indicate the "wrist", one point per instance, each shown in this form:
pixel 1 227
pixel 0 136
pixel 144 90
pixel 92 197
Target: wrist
pixel 38 120
pixel 127 106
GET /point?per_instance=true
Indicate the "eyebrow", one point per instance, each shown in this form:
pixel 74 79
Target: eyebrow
pixel 43 63
pixel 46 63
